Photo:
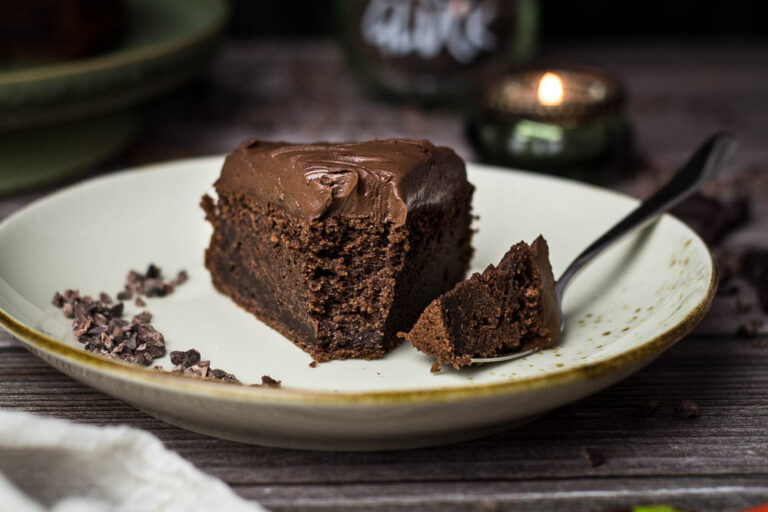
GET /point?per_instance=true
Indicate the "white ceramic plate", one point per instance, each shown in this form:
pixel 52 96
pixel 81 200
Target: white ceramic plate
pixel 630 305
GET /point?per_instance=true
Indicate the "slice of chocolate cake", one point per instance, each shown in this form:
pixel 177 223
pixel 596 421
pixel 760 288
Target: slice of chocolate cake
pixel 339 246
pixel 508 308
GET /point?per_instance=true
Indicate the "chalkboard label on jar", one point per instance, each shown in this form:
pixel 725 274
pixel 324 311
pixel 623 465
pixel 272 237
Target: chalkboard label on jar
pixel 436 48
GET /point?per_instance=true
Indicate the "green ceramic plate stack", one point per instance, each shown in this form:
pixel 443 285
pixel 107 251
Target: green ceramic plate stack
pixel 58 118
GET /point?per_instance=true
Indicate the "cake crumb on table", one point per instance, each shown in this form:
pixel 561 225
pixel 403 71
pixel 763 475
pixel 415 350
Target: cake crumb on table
pixel 687 409
pixel 647 408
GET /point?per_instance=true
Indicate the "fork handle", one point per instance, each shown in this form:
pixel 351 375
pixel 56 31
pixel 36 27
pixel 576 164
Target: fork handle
pixel 706 164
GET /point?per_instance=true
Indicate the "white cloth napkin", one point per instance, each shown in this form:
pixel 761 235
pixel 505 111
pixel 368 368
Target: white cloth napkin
pixel 55 465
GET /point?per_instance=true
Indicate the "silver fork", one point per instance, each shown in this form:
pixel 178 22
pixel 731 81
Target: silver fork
pixel 707 163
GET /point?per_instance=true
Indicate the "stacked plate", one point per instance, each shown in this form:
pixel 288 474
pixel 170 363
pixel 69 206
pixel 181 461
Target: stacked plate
pixel 59 117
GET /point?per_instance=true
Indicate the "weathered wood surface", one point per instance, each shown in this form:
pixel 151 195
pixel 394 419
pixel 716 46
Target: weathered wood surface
pixel 717 462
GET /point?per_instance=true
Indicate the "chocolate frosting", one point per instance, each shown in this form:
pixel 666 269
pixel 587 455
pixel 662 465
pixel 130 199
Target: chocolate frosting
pixel 382 178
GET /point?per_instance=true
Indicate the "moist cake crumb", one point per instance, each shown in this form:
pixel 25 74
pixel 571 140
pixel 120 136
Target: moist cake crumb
pixel 505 309
pixel 339 246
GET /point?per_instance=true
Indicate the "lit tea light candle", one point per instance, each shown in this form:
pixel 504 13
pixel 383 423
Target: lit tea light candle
pixel 550 89
pixel 563 121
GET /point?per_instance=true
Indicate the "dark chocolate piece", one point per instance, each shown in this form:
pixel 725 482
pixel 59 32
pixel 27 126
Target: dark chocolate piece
pixel 713 218
pixel 508 308
pixel 749 328
pixel 593 457
pixel 687 409
pixel 647 408
pixel 754 266
pixel 339 246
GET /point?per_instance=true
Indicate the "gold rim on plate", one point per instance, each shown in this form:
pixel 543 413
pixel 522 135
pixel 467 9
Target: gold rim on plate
pixel 52 346
pixel 36 340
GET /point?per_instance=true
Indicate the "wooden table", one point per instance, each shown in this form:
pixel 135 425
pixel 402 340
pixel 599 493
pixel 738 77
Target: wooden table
pixel 301 91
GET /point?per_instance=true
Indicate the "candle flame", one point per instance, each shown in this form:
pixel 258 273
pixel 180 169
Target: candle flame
pixel 550 90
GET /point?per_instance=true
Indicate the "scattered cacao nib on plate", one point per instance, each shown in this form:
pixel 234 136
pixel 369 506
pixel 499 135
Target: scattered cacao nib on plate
pixel 150 284
pixel 760 343
pixel 190 363
pixel 99 326
pixel 185 359
pixel 268 381
pixel 687 409
pixel 593 457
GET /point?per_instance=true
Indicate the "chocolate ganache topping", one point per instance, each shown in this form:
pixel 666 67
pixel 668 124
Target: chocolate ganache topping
pixel 383 178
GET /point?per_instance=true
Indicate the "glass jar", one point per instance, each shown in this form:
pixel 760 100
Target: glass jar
pixel 435 50
pixel 583 135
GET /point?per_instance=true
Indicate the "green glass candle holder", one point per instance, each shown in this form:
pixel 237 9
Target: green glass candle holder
pixel 576 128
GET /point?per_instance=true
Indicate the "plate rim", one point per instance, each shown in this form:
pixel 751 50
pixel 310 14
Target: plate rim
pixel 38 341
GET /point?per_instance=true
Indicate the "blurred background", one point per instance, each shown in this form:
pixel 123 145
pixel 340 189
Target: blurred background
pixel 586 19
pixel 616 93
pixel 89 86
